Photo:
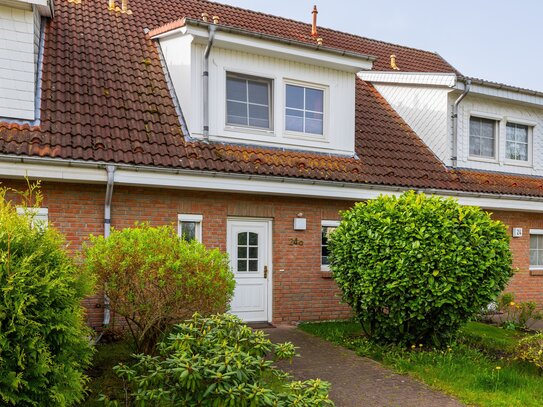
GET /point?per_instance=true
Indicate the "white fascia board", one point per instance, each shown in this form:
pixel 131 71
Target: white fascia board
pixel 503 94
pixel 47 172
pixel 270 48
pixel 139 176
pixel 45 7
pixel 410 78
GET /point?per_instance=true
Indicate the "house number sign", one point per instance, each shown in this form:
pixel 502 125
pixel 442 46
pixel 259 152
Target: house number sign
pixel 296 242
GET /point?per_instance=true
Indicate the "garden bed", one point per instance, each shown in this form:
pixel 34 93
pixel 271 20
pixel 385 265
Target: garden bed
pixel 478 370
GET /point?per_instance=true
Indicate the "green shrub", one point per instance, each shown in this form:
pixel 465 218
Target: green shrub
pixel 530 349
pixel 44 345
pixel 415 268
pixel 518 314
pixel 154 279
pixel 217 361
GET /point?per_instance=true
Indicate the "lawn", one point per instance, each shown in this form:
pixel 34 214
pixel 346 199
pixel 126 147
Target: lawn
pixel 478 369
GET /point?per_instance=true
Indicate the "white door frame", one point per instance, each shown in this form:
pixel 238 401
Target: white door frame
pixel 269 280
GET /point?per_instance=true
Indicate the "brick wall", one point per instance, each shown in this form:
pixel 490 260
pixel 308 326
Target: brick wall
pixel 526 287
pixel 300 290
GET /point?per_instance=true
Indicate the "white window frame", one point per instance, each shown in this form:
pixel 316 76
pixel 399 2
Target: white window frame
pixel 256 78
pixel 325 112
pixel 530 125
pixel 39 214
pixel 497 120
pixel 198 219
pixel 326 223
pixel 534 232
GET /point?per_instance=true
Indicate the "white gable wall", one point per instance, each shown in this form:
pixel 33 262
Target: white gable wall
pixel 425 110
pixel 19 41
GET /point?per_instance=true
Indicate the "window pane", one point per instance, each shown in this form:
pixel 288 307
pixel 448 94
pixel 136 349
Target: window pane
pixel 510 132
pixel 474 146
pixel 253 252
pixel 313 123
pixel 295 97
pixel 242 265
pixel 253 265
pixel 487 147
pixel 522 133
pixel 487 129
pixel 242 238
pixel 314 100
pixel 188 230
pixel 242 252
pixel 533 242
pixel 258 93
pixel 258 116
pixel 236 113
pixel 523 152
pixel 294 120
pixel 253 239
pixel 474 127
pixel 236 89
pixel 533 257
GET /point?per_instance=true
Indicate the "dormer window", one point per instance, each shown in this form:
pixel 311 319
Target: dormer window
pixel 304 110
pixel 248 101
pixel 482 137
pixel 516 143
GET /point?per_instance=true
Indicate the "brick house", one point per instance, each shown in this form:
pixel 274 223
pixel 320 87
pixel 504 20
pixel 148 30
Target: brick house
pixel 250 132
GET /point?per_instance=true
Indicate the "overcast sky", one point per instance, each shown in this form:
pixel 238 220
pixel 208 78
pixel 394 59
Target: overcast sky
pixel 498 40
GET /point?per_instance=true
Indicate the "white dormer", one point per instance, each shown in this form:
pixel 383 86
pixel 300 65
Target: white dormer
pixel 263 91
pixel 20 32
pixel 498 127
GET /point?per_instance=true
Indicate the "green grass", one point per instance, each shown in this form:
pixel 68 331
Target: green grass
pixel 103 378
pixel 467 370
pixel 490 338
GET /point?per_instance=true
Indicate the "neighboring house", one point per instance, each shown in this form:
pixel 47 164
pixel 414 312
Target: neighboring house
pixel 251 132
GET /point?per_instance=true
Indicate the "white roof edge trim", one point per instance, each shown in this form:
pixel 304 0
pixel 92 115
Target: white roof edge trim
pixel 411 78
pixel 74 171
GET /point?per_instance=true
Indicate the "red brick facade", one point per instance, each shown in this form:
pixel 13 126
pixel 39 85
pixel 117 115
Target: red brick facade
pixel 300 290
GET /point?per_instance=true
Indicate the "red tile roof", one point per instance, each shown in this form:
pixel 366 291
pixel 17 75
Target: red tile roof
pixel 105 98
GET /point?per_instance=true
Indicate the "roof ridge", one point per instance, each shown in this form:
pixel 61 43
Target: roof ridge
pixel 322 27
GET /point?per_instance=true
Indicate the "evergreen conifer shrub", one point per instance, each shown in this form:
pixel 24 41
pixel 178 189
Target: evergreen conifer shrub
pixel 415 268
pixel 44 342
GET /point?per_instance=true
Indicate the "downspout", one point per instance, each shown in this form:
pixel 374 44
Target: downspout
pixel 454 116
pixel 205 96
pixel 107 229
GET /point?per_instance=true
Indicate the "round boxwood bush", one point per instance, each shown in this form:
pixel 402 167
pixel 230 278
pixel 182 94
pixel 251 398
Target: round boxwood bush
pixel 44 342
pixel 415 268
pixel 154 279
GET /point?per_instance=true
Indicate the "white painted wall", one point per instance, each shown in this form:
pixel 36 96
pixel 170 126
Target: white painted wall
pixel 184 58
pixel 19 41
pixel 424 109
pixel 503 111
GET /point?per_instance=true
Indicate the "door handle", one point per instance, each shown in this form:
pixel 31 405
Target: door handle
pixel 265 271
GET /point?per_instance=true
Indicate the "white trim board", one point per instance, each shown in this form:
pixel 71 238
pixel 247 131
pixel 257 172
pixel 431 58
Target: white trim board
pixel 251 184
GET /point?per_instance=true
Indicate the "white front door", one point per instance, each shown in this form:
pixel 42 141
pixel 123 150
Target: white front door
pixel 249 250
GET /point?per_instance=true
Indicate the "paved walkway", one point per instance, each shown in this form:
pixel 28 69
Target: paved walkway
pixel 356 381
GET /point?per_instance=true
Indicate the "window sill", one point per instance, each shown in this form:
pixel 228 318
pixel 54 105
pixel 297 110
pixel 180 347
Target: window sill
pixel 483 159
pixel 519 163
pixel 306 136
pixel 536 272
pixel 249 130
pixel 328 274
